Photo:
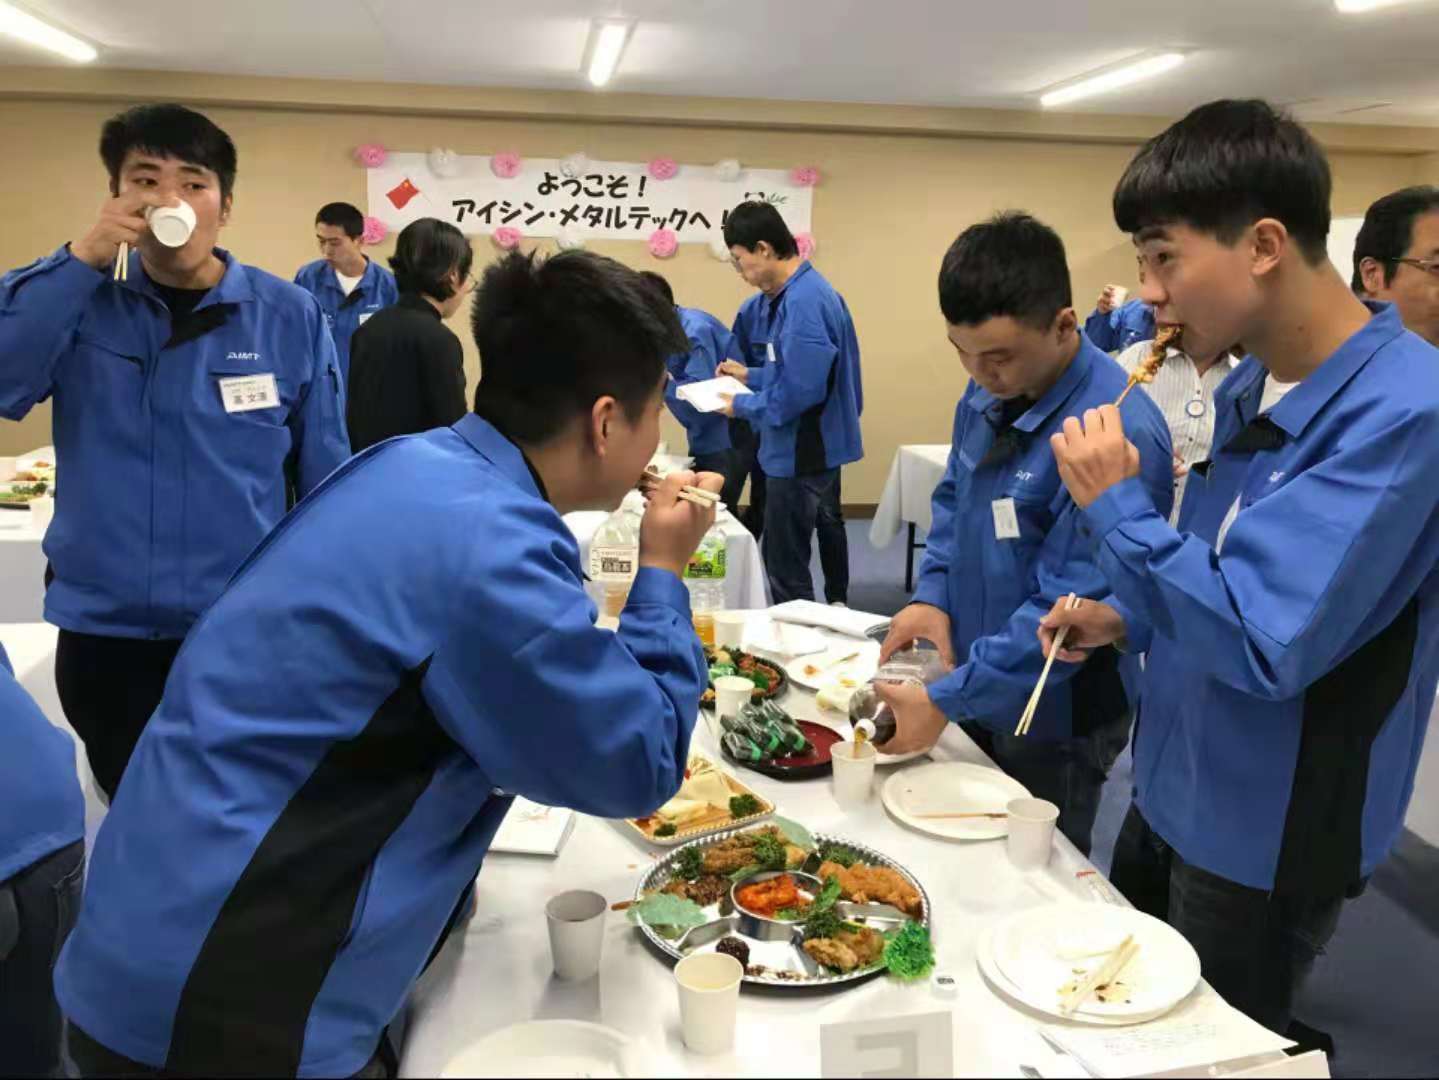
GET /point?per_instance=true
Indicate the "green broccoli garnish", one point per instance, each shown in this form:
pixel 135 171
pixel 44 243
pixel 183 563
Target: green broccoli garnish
pixel 839 854
pixel 743 806
pixel 769 853
pixel 690 863
pixel 667 829
pixel 908 952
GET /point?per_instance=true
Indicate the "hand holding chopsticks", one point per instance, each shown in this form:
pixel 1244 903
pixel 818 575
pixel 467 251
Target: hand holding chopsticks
pixel 689 493
pixel 1027 718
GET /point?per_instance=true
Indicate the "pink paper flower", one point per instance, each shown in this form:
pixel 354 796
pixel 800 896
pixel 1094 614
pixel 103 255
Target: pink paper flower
pixel 664 243
pixel 663 168
pixel 804 176
pixel 805 242
pixel 508 237
pixel 506 164
pixel 375 230
pixel 371 155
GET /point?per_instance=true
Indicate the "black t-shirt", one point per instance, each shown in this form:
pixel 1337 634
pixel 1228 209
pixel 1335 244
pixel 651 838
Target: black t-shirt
pixel 181 302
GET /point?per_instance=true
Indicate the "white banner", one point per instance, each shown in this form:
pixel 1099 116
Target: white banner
pixel 615 200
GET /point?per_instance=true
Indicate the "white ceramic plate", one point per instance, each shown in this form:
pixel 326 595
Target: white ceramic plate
pixel 818 670
pixel 952 787
pixel 550 1048
pixel 1042 950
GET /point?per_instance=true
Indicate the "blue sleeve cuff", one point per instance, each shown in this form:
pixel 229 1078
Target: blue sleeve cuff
pixel 948 693
pixel 748 406
pixel 655 586
pixel 1137 633
pixel 757 378
pixel 1126 499
pixel 931 590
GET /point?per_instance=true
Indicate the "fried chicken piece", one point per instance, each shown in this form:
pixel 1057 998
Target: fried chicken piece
pixel 866 944
pixel 738 851
pixel 873 884
pixel 832 954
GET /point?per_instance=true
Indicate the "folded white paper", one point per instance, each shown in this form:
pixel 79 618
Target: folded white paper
pixel 859 624
pixel 705 396
pixel 532 829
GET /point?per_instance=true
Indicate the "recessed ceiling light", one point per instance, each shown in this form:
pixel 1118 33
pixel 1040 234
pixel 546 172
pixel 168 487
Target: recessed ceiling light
pixel 608 38
pixel 1358 7
pixel 1100 82
pixel 24 26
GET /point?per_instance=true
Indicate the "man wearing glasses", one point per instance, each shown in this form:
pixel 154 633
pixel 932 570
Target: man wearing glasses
pixel 1396 257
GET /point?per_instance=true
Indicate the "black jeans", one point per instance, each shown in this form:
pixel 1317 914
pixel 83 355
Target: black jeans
pixel 1068 772
pixel 797 508
pixel 728 464
pixel 745 441
pixel 109 687
pixel 1256 948
pixel 38 908
pixel 91 1059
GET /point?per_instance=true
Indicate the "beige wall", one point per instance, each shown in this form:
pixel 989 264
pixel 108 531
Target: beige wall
pixel 889 206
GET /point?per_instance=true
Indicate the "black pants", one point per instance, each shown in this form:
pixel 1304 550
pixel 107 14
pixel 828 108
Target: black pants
pixel 1256 948
pixel 1068 772
pixel 728 464
pixel 798 507
pixel 91 1059
pixel 38 907
pixel 108 687
pixel 745 441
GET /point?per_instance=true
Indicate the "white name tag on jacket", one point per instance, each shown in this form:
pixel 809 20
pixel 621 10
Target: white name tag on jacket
pixel 1006 519
pixel 245 393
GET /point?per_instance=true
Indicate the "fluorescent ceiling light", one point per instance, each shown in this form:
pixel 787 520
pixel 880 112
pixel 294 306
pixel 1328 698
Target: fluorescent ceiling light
pixel 21 24
pixel 1113 78
pixel 608 38
pixel 1358 7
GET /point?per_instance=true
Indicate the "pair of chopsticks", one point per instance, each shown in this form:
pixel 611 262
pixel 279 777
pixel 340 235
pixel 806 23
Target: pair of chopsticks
pixel 122 262
pixel 956 817
pixel 689 493
pixel 1071 602
pixel 1102 975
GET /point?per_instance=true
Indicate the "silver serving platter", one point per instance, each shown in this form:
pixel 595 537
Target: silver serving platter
pixel 785 964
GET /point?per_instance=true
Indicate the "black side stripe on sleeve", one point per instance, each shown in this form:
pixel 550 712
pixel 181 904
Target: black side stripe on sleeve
pixel 1322 849
pixel 247 1000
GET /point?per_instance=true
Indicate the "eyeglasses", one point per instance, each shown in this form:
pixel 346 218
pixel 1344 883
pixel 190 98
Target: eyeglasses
pixel 1429 266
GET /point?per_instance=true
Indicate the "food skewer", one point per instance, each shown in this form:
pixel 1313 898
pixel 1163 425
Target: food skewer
pixel 1167 338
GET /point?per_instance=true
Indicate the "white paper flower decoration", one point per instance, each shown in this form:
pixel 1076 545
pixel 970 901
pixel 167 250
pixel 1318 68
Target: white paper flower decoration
pixel 728 170
pixel 577 164
pixel 719 249
pixel 569 240
pixel 444 162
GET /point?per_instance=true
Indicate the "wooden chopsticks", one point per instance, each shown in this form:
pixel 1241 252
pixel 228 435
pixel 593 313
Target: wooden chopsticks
pixel 1071 602
pixel 956 817
pixel 689 493
pixel 1102 975
pixel 122 262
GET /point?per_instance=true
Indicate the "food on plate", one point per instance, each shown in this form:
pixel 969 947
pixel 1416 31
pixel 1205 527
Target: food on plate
pixel 741 806
pixel 704 890
pixel 767 678
pixel 706 798
pixel 909 953
pixel 1168 337
pixel 873 884
pixel 668 915
pixel 666 829
pixel 761 849
pixel 853 947
pixel 838 853
pixel 763 732
pixel 773 896
pixel 733 946
pixel 24 492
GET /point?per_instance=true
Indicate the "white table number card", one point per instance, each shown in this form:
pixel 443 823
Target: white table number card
pixel 921 1044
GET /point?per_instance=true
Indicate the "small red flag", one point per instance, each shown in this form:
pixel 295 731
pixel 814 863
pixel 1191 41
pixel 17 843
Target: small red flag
pixel 402 193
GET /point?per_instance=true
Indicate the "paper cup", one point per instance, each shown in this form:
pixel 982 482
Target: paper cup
pixel 732 693
pixel 709 999
pixel 729 629
pixel 172 225
pixel 42 512
pixel 853 771
pixel 1031 832
pixel 577 933
pixel 1117 295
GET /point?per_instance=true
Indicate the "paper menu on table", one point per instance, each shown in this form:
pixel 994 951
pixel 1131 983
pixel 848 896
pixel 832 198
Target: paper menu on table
pixel 1201 1031
pixel 705 396
pixel 532 829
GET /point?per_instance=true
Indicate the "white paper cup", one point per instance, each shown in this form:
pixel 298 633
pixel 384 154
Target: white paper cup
pixel 709 999
pixel 853 771
pixel 1117 295
pixel 729 629
pixel 577 933
pixel 42 512
pixel 1031 832
pixel 732 693
pixel 172 225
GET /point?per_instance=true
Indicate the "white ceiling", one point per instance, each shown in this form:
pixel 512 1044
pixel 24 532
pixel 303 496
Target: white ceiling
pixel 1377 68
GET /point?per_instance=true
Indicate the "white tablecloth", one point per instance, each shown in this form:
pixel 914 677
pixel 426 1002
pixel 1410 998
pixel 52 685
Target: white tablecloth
pixel 22 569
pixel 497 970
pixel 913 475
pixel 745 583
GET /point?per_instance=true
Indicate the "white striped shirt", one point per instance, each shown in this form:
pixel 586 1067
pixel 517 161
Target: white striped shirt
pixel 1186 398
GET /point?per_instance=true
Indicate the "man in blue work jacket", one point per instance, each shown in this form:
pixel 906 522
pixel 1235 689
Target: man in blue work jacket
pixel 1006 540
pixel 806 401
pixel 190 393
pixel 748 330
pixel 346 725
pixel 349 285
pixel 708 434
pixel 1115 327
pixel 1292 620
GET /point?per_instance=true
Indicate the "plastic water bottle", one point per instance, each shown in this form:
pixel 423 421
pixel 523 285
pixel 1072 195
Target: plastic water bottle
pixel 615 556
pixel 704 577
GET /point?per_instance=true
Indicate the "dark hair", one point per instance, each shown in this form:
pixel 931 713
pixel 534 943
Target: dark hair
pixel 1388 229
pixel 557 334
pixel 425 252
pixel 1009 265
pixel 658 283
pixel 168 131
pixel 1222 168
pixel 342 215
pixel 754 221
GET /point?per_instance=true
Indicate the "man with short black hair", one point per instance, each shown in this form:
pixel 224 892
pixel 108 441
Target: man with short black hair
pixel 1006 540
pixel 806 402
pixel 350 286
pixel 1396 257
pixel 190 394
pixel 342 734
pixel 1292 619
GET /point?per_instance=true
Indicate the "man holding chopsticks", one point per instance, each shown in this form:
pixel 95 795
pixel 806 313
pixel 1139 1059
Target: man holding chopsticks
pixel 190 393
pixel 1292 620
pixel 1006 541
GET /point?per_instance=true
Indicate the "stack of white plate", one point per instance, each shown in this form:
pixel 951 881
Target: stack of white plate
pixel 1030 957
pixel 952 787
pixel 551 1048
